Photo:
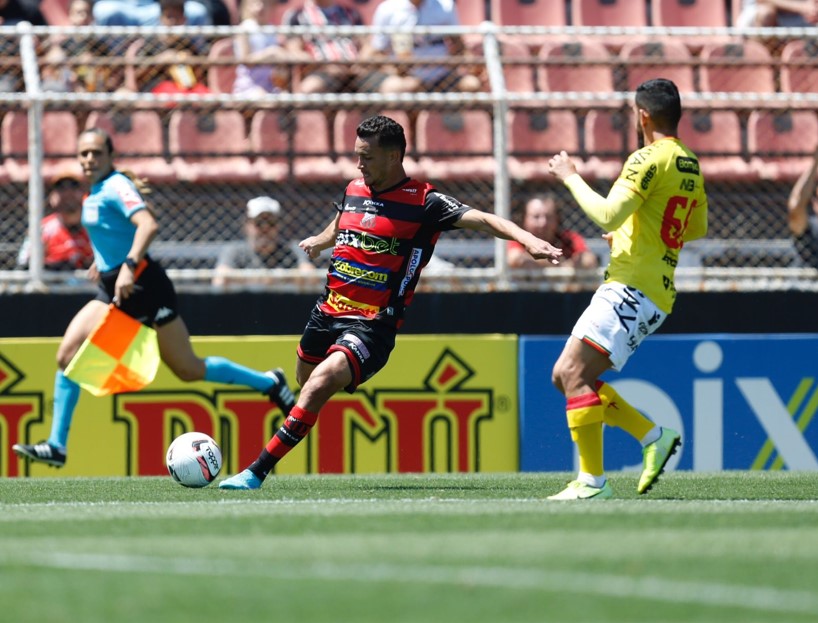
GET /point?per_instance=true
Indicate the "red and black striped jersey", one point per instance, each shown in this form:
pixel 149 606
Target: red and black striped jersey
pixel 384 240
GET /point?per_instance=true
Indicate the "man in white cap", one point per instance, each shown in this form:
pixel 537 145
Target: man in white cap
pixel 262 247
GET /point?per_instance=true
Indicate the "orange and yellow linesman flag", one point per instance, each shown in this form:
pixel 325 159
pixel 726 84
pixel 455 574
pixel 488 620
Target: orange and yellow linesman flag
pixel 120 355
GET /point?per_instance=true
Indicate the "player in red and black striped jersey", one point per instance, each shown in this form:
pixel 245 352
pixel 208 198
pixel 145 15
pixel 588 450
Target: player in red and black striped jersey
pixel 382 237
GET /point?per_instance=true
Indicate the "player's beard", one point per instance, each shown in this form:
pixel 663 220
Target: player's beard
pixel 640 137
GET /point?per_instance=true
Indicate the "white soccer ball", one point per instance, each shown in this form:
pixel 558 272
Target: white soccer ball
pixel 194 459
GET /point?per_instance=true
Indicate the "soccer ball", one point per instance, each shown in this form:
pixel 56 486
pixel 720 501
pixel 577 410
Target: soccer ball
pixel 194 459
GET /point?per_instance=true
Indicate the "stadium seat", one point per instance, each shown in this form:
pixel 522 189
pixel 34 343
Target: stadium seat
pixel 59 133
pixel 209 146
pixel 716 138
pixel 519 77
pixel 610 136
pixel 587 68
pixel 138 142
pixel 469 12
pixel 345 124
pixel 528 13
pixel 691 13
pixel 609 13
pixel 668 58
pixel 55 12
pixel 297 143
pixel 455 145
pixel 799 66
pixel 744 66
pixel 536 135
pixel 220 77
pixel 312 147
pixel 270 143
pixel 781 143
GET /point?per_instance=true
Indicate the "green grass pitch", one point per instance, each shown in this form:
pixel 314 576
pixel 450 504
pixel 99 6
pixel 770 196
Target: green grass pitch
pixel 730 547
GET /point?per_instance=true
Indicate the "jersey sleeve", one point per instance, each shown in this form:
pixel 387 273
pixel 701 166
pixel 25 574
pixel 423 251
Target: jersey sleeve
pixel 443 210
pixel 125 196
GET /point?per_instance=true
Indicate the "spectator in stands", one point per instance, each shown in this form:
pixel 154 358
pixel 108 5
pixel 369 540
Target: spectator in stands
pixel 66 245
pixel 382 236
pixel 262 247
pixel 146 13
pixel 802 209
pixel 12 12
pixel 400 46
pixel 334 71
pixel 170 70
pixel 782 13
pixel 258 47
pixel 542 218
pixel 58 75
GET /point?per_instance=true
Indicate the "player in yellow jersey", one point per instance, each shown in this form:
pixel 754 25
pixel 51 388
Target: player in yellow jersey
pixel 657 203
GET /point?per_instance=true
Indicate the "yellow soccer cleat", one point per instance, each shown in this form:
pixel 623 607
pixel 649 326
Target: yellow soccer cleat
pixel 577 490
pixel 655 456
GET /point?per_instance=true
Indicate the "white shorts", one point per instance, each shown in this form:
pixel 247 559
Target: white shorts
pixel 617 320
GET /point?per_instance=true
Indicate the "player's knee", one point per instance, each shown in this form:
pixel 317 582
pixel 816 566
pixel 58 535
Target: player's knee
pixel 302 373
pixel 556 378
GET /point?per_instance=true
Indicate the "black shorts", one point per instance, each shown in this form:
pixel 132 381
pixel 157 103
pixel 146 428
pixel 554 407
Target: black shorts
pixel 366 344
pixel 153 301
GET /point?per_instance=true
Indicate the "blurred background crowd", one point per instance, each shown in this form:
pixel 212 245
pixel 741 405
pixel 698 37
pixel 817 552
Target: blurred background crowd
pixel 566 65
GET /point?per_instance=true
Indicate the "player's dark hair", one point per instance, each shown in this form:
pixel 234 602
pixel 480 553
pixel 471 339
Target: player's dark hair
pixel 141 183
pixel 660 98
pixel 109 143
pixel 388 132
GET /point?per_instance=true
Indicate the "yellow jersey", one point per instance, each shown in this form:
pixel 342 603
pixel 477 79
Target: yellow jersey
pixel 666 178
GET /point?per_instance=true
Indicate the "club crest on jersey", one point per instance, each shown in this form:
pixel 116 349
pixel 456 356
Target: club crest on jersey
pixel 368 220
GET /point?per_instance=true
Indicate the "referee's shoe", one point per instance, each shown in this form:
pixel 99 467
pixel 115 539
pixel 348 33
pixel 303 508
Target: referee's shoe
pixel 280 393
pixel 42 452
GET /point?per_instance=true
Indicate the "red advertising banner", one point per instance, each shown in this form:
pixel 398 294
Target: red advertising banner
pixel 442 404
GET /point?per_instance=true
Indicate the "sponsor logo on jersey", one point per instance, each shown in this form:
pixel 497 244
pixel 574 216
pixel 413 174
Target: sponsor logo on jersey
pixel 414 262
pixel 356 345
pixel 362 275
pixel 343 304
pixel 367 242
pixel 368 220
pixel 649 175
pixel 687 165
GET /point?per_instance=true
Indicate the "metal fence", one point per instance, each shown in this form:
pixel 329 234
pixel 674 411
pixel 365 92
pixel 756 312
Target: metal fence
pixel 750 100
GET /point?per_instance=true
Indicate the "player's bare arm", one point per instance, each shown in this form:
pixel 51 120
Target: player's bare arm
pixel 803 192
pixel 313 245
pixel 499 227
pixel 146 230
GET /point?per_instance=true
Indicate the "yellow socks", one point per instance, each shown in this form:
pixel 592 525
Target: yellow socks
pixel 585 414
pixel 619 413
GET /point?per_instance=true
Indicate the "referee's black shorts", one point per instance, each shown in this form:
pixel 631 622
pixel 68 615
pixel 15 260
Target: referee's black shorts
pixel 153 301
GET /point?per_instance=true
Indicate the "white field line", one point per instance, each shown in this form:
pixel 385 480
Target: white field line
pixel 644 588
pixel 211 507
